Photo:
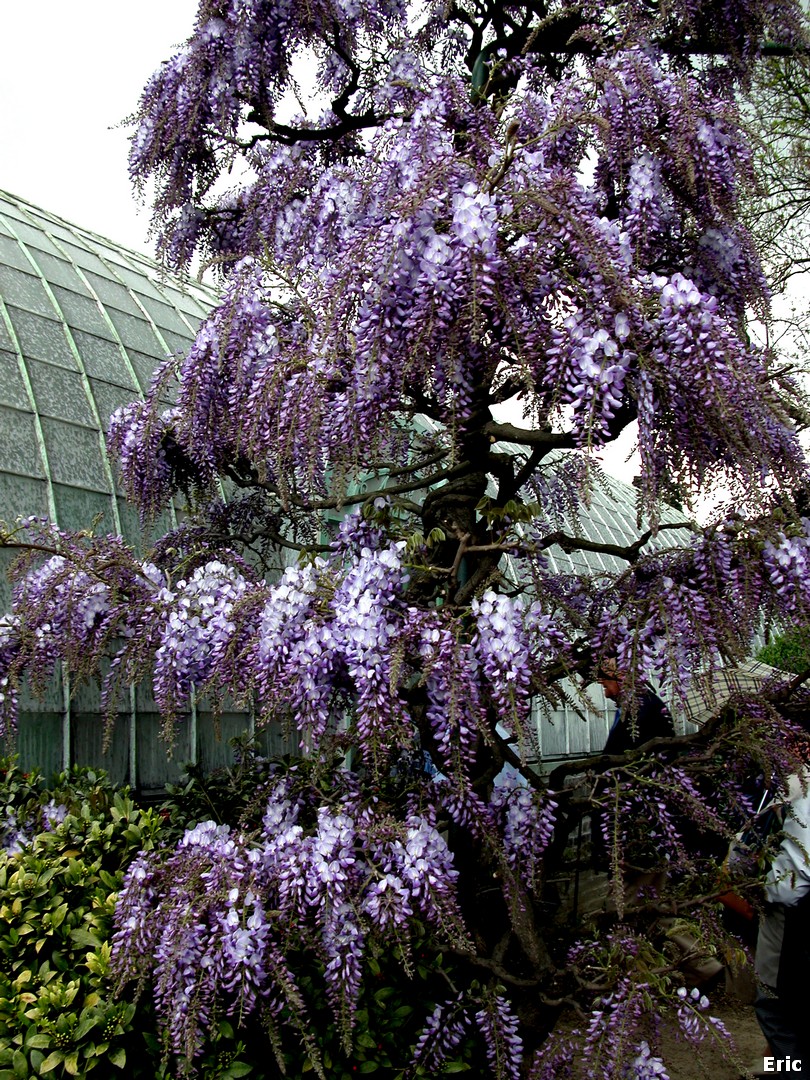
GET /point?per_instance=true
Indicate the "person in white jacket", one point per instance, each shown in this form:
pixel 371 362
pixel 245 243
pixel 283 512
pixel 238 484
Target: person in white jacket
pixel 783 943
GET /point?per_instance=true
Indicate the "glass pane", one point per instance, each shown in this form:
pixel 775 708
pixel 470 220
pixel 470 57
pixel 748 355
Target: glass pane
pixel 150 533
pixel 58 229
pixel 103 359
pixel 136 332
pixel 109 398
pixel 19 452
pixel 131 525
pixel 196 305
pixel 80 312
pixel 155 767
pixel 12 387
pixel 87 260
pixel 42 339
pixel 144 367
pixel 25 290
pixel 87 738
pixel 51 701
pixel 21 496
pixel 137 279
pixel 39 741
pixel 33 237
pixel 11 254
pixel 12 207
pixel 165 317
pixel 112 292
pixel 214 749
pixel 58 271
pixel 177 343
pixel 59 393
pixel 7 557
pixel 273 741
pixel 77 509
pixel 74 455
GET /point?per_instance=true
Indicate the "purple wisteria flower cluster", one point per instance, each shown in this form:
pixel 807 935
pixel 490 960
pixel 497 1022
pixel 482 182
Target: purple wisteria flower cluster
pixel 528 819
pixel 451 1020
pixel 209 923
pixel 197 631
pixel 592 292
pixel 611 1044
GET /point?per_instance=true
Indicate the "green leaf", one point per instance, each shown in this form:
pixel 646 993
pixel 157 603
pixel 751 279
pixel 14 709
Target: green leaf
pixel 84 1026
pixel 71 1063
pixel 38 1039
pixel 86 938
pixel 20 1064
pixel 58 916
pixel 368 1067
pixel 51 1061
pixel 118 1057
pixel 238 1068
pixel 457 1067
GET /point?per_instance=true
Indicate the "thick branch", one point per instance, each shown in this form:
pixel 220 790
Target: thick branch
pixel 628 552
pixel 605 762
pixel 525 437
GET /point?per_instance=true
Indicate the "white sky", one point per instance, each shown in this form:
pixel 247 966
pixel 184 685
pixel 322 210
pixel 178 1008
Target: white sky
pixel 71 71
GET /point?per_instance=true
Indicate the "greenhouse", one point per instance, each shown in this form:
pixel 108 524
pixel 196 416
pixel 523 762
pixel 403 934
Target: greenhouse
pixel 83 324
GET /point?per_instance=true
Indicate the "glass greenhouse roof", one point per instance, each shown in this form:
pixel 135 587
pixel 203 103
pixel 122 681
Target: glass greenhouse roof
pixel 83 324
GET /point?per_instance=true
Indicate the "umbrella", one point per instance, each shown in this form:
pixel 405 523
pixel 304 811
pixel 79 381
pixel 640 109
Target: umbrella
pixel 711 691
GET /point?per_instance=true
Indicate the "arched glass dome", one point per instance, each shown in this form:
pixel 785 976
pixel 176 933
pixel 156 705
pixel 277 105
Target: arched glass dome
pixel 83 324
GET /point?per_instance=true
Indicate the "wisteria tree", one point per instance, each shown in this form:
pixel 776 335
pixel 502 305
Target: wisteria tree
pixel 476 204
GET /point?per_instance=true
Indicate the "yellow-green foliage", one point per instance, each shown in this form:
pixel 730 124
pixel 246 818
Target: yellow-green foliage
pixel 57 896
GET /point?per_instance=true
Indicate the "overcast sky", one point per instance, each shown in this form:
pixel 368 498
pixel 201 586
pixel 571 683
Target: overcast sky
pixel 71 71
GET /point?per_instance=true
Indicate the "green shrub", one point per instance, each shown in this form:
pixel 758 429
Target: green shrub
pixel 67 848
pixel 789 651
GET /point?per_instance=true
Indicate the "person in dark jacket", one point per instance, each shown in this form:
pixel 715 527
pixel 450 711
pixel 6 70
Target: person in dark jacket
pixel 652 720
pixel 783 945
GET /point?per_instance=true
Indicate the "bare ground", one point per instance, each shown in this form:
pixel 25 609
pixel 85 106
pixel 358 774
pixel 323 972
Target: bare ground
pixel 711 1059
pixel 714 1058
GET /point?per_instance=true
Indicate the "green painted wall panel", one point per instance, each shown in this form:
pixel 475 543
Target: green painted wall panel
pixel 87 745
pixel 155 767
pixel 39 742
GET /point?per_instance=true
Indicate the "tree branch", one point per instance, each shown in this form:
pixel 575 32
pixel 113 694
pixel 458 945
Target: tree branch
pixel 525 437
pixel 628 552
